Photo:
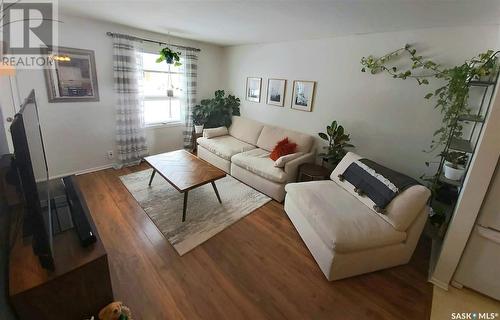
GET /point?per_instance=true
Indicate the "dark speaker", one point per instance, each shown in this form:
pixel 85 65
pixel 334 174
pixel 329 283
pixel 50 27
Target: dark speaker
pixel 79 211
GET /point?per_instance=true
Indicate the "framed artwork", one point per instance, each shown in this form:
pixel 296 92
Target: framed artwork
pixel 253 89
pixel 72 76
pixel 276 92
pixel 303 95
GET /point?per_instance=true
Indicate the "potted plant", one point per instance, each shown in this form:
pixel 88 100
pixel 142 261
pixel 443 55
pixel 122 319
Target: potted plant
pixel 220 109
pixel 454 165
pixel 200 115
pixel 338 140
pixel 171 57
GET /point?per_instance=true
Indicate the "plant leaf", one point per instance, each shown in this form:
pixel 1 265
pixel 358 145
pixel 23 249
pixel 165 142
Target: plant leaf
pixel 323 136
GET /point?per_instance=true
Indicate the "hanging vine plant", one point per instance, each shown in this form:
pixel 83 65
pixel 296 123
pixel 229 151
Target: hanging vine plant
pixel 451 98
pixel 171 57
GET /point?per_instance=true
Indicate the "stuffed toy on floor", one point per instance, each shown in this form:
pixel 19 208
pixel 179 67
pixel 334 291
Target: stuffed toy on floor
pixel 115 311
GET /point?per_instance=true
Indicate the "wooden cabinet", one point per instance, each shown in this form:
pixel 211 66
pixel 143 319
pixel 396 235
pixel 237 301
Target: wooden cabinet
pixel 78 288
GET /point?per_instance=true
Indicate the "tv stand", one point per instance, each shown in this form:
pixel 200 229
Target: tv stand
pixel 77 288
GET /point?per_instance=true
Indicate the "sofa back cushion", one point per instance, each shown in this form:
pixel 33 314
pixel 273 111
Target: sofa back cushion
pixel 270 136
pixel 245 129
pixel 401 211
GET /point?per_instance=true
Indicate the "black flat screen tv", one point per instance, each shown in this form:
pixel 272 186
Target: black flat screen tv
pixel 31 164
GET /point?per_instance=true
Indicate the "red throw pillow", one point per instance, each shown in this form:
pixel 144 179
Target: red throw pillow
pixel 283 148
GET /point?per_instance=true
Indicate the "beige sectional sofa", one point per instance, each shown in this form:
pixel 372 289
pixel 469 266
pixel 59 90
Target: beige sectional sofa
pixel 244 153
pixel 345 235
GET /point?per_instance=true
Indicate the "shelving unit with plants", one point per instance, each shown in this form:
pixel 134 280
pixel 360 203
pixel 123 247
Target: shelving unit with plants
pixel 462 123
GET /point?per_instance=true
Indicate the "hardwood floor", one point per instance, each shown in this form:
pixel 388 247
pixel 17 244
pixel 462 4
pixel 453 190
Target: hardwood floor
pixel 258 268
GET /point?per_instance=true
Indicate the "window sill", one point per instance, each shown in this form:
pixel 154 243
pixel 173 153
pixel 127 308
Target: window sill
pixel 164 125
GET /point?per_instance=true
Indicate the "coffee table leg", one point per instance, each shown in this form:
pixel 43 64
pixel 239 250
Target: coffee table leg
pixel 216 191
pixel 152 176
pixel 185 206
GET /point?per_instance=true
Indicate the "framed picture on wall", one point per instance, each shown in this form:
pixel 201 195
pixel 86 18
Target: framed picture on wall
pixel 303 95
pixel 276 92
pixel 253 89
pixel 72 76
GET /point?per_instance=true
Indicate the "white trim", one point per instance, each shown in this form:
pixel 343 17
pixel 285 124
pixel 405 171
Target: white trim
pixel 164 125
pixel 378 176
pixel 438 283
pixel 84 171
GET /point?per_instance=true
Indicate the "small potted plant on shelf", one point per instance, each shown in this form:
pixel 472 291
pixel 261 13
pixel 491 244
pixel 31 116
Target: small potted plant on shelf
pixel 200 115
pixel 454 165
pixel 171 57
pixel 338 141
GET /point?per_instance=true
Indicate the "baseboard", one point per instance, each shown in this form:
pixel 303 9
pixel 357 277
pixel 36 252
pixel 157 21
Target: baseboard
pixel 439 283
pixel 80 172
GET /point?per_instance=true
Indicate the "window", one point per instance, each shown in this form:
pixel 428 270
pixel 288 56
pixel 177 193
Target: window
pixel 162 89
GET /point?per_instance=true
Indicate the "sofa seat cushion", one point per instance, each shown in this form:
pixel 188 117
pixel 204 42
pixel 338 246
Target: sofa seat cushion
pixel 258 162
pixel 224 146
pixel 342 222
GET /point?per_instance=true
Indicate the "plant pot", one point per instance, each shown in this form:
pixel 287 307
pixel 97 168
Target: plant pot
pixel 452 173
pixel 198 129
pixel 170 60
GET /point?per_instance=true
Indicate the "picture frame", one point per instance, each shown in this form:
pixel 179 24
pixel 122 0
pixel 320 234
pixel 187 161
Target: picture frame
pixel 303 95
pixel 73 76
pixel 276 89
pixel 253 89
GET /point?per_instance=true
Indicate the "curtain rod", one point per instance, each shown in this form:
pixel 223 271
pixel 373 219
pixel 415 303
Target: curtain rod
pixel 153 41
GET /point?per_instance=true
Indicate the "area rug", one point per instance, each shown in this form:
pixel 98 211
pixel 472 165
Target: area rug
pixel 205 216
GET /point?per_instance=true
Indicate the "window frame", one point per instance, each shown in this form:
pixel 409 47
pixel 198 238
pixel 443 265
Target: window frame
pixel 172 123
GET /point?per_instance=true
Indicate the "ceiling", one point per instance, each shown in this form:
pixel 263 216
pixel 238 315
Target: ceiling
pixel 232 22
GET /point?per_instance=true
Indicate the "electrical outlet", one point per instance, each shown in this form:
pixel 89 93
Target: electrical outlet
pixel 111 154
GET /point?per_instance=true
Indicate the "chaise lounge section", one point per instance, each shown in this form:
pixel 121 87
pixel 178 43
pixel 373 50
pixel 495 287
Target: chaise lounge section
pixel 244 153
pixel 344 235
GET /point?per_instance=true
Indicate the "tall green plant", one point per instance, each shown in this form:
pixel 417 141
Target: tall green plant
pixel 338 141
pixel 452 97
pixel 219 110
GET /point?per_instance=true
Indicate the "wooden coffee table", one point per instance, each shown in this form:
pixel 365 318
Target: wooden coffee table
pixel 184 171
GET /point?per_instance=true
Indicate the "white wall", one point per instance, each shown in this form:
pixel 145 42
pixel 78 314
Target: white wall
pixel 78 135
pixel 4 148
pixel 389 120
pixel 8 100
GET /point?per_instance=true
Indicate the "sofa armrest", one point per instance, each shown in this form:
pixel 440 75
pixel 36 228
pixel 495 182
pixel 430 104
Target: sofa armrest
pixel 292 167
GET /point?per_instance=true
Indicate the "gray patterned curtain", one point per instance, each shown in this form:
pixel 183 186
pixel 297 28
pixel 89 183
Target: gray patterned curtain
pixel 127 69
pixel 191 69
